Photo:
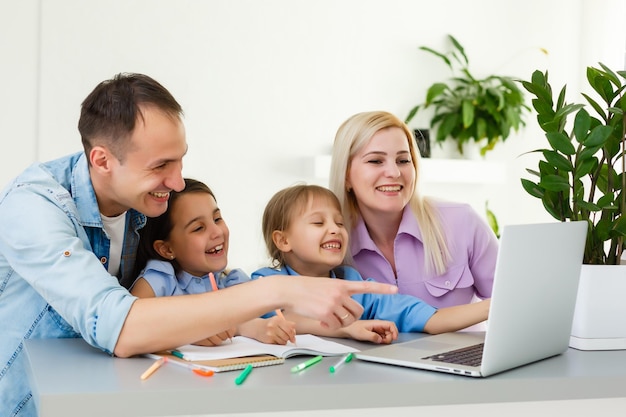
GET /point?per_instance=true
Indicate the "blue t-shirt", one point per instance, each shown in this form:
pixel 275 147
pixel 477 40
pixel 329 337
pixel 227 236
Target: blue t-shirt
pixel 409 313
pixel 165 281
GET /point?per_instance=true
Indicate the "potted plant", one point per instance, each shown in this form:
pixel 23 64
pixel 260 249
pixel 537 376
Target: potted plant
pixel 581 177
pixel 470 109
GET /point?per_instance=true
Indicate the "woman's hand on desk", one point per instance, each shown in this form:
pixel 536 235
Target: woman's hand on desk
pixel 375 331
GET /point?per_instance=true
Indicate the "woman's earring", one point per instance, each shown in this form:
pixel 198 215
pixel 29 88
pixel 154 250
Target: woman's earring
pixel 172 257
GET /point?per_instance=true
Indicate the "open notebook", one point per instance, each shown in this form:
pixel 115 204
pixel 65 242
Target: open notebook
pixel 242 351
pixel 306 344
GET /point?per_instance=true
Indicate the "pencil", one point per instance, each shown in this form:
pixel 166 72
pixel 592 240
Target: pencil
pixel 152 369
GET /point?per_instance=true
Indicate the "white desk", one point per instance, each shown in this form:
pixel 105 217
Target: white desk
pixel 70 378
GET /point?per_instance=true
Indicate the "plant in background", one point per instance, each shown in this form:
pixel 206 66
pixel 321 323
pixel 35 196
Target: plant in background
pixel 492 220
pixel 581 175
pixel 467 109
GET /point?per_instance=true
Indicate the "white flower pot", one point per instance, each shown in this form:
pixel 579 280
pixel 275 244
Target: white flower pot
pixel 600 314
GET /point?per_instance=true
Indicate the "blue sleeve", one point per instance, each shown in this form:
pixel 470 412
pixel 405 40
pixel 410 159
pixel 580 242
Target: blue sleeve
pixel 234 277
pixel 79 289
pixel 263 272
pixel 409 313
pixel 160 276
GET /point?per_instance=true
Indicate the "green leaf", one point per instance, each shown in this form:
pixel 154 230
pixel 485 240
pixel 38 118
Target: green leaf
pixel 411 114
pixel 448 122
pixel 605 201
pixel 435 91
pixel 459 48
pixel 585 167
pixel 560 142
pixel 558 161
pixel 582 123
pixel 542 107
pixel 439 54
pixel 468 113
pixel 620 226
pixel 492 220
pixel 532 188
pixel 554 183
pixel 598 136
pixel 567 109
pixel 588 153
pixel 598 108
pixel 589 206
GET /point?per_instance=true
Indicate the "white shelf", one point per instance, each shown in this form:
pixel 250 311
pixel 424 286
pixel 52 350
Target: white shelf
pixel 435 170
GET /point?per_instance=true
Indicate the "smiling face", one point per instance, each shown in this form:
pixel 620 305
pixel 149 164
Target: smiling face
pixel 382 175
pixel 316 240
pixel 151 167
pixel 199 236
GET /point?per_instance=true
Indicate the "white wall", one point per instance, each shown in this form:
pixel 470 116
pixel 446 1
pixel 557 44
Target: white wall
pixel 265 84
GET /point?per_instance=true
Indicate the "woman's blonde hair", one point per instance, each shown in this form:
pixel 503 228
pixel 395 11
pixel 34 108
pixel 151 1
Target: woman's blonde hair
pixel 283 207
pixel 351 137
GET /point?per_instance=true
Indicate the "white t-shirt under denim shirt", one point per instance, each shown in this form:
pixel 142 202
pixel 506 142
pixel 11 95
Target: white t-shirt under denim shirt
pixel 114 228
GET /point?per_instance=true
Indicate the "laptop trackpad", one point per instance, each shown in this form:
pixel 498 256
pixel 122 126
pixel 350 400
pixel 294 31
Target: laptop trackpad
pixel 422 344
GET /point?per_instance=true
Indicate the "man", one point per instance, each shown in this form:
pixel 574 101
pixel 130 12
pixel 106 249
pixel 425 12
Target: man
pixel 68 236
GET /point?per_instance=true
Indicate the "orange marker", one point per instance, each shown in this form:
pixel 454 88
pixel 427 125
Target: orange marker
pixel 152 369
pixel 202 372
pixel 213 283
pixel 214 288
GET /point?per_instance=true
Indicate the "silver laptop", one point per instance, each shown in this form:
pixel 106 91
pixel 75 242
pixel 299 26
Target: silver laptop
pixel 532 307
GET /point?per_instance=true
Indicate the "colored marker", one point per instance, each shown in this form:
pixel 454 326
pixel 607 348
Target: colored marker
pixel 202 372
pixel 279 313
pixel 306 364
pixel 214 288
pixel 213 283
pixel 339 364
pixel 152 369
pixel 177 354
pixel 195 368
pixel 243 375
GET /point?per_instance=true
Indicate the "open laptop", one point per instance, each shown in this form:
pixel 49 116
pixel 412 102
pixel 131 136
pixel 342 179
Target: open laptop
pixel 532 306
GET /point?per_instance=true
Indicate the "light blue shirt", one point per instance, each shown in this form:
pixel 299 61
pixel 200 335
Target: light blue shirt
pixel 164 281
pixel 53 278
pixel 410 314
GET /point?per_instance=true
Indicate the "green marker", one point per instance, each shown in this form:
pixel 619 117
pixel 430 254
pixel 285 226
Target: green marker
pixel 177 354
pixel 306 364
pixel 343 360
pixel 243 375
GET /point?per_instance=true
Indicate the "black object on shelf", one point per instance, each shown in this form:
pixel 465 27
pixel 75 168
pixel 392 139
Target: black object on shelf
pixel 422 138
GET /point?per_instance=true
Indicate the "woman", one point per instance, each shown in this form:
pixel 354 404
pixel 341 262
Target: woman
pixel 441 252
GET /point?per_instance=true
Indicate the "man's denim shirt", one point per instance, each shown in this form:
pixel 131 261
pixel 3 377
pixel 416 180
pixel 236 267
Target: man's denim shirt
pixel 53 278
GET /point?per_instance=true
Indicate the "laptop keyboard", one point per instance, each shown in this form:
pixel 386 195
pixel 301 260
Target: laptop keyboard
pixel 469 356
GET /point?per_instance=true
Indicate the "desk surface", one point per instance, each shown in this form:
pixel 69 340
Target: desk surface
pixel 70 377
